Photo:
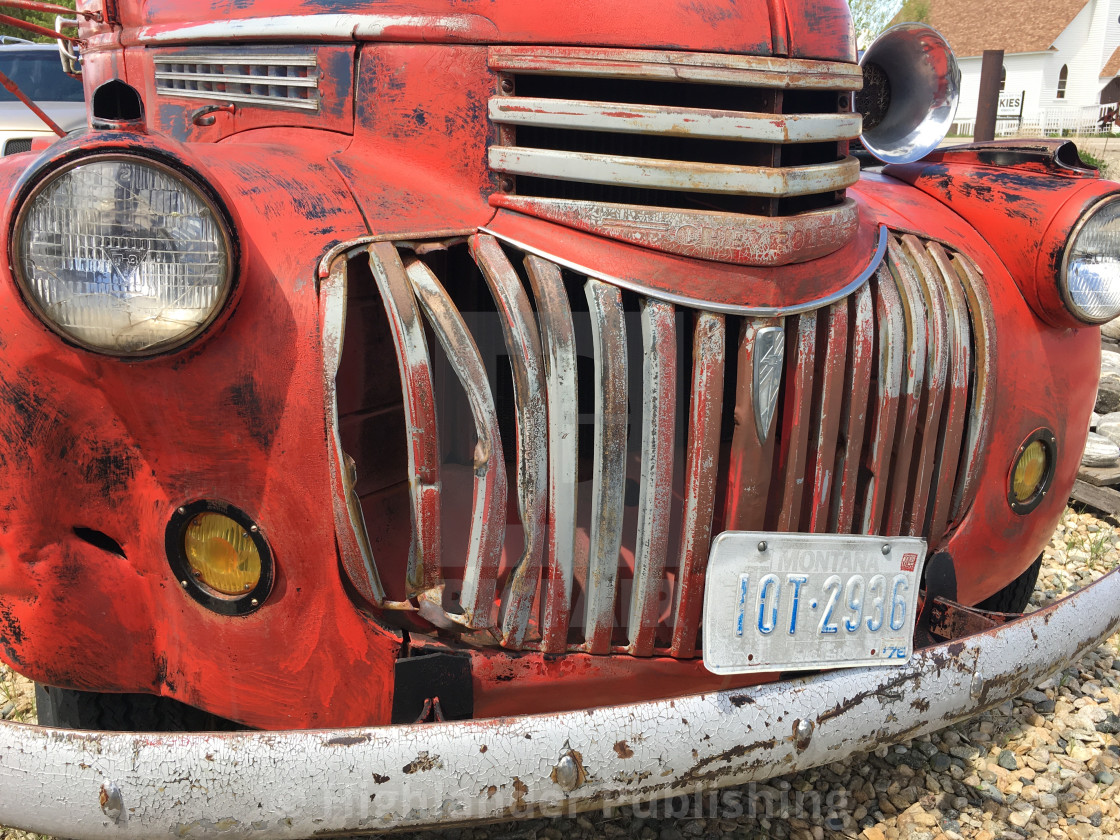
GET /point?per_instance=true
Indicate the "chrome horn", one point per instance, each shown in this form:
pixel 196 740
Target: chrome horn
pixel 911 84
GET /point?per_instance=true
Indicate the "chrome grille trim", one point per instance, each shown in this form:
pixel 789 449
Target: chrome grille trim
pixel 421 427
pixel 276 80
pixel 558 336
pixel 659 388
pixel 608 486
pixel 678 122
pixel 488 518
pixel 839 455
pixel 522 340
pixel 653 65
pixel 650 173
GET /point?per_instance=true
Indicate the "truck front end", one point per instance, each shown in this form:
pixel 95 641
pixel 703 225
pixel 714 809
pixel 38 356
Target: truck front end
pixel 490 408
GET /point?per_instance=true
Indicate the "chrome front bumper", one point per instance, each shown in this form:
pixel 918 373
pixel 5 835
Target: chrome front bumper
pixel 296 784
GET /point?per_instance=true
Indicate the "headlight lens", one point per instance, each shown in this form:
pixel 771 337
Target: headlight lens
pixel 1092 265
pixel 123 256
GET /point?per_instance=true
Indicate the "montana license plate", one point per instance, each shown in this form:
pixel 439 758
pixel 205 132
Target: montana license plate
pixel 788 602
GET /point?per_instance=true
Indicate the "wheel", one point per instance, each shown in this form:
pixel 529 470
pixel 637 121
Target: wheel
pixel 1014 597
pixel 72 709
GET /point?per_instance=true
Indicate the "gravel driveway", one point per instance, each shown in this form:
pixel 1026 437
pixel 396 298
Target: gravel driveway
pixel 1045 765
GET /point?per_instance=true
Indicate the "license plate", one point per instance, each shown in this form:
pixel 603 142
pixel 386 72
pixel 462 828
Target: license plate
pixel 788 602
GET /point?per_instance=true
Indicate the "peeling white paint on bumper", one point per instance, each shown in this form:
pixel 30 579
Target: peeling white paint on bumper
pixel 295 784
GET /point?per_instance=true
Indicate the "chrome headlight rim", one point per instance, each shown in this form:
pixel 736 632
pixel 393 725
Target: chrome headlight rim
pixel 173 167
pixel 1063 272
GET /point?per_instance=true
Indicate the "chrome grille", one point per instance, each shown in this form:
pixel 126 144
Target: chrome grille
pixel 288 80
pixel 620 134
pixel 879 424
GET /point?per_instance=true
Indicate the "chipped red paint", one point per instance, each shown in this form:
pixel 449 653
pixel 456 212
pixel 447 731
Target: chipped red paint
pixel 819 30
pixel 248 395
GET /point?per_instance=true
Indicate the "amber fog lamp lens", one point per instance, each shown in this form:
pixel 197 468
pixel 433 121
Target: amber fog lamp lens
pixel 1033 471
pixel 222 554
pixel 1029 471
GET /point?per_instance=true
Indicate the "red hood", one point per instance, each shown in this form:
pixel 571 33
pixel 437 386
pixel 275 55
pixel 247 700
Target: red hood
pixel 820 30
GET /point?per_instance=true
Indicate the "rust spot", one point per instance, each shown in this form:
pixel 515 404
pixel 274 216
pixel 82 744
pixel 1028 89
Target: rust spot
pixel 622 749
pixel 483 748
pixel 740 700
pixel 921 704
pixel 379 779
pixel 103 797
pixel 490 791
pixel 519 791
pixel 422 763
pixel 347 740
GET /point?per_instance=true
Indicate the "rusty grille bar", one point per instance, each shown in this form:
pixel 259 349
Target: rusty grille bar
pixel 868 415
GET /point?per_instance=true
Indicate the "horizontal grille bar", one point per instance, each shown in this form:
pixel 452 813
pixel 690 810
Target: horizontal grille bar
pixel 717 68
pixel 238 78
pixel 650 173
pixel 864 416
pixel 678 122
pixel 241 59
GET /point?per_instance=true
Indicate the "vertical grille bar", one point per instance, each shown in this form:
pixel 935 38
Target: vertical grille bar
pixel 752 451
pixel 708 352
pixel 831 390
pixel 799 405
pixel 888 386
pixel 558 336
pixel 659 339
pixel 956 402
pixel 355 551
pixel 853 414
pixel 608 330
pixel 938 351
pixel 424 558
pixel 979 417
pixel 488 519
pixel 519 328
pixel 914 314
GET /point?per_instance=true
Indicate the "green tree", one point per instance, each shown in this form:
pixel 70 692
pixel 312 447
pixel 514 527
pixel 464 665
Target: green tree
pixel 870 17
pixel 41 18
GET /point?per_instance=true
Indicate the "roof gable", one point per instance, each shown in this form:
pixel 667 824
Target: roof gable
pixel 1009 25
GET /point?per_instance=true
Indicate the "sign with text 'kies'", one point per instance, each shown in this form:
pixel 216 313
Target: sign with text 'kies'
pixel 1010 105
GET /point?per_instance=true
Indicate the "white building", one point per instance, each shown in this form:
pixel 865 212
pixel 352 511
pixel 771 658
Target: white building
pixel 1060 62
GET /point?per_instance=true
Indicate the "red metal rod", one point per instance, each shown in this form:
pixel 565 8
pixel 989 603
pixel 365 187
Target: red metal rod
pixel 22 97
pixel 38 30
pixel 38 6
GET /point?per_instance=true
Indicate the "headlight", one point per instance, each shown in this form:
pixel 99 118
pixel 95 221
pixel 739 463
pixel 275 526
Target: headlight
pixel 122 255
pixel 1091 268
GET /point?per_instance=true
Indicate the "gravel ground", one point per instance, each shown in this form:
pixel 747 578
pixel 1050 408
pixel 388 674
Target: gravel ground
pixel 1044 766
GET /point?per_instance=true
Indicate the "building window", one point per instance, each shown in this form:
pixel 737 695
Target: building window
pixel 1002 79
pixel 1062 77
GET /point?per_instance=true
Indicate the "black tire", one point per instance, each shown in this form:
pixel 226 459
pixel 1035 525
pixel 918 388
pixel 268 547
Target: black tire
pixel 71 709
pixel 1014 597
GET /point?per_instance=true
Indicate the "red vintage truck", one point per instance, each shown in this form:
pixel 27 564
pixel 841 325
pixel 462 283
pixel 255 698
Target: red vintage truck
pixel 490 408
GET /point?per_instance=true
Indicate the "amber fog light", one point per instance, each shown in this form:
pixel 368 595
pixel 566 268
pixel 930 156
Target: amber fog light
pixel 220 557
pixel 1032 472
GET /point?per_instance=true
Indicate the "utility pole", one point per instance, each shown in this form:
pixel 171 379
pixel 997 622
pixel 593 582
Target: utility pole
pixel 991 70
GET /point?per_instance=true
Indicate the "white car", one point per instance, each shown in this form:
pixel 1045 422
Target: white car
pixel 36 69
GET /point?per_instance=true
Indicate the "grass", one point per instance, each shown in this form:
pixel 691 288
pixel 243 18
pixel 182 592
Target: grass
pixel 17 698
pixel 1092 160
